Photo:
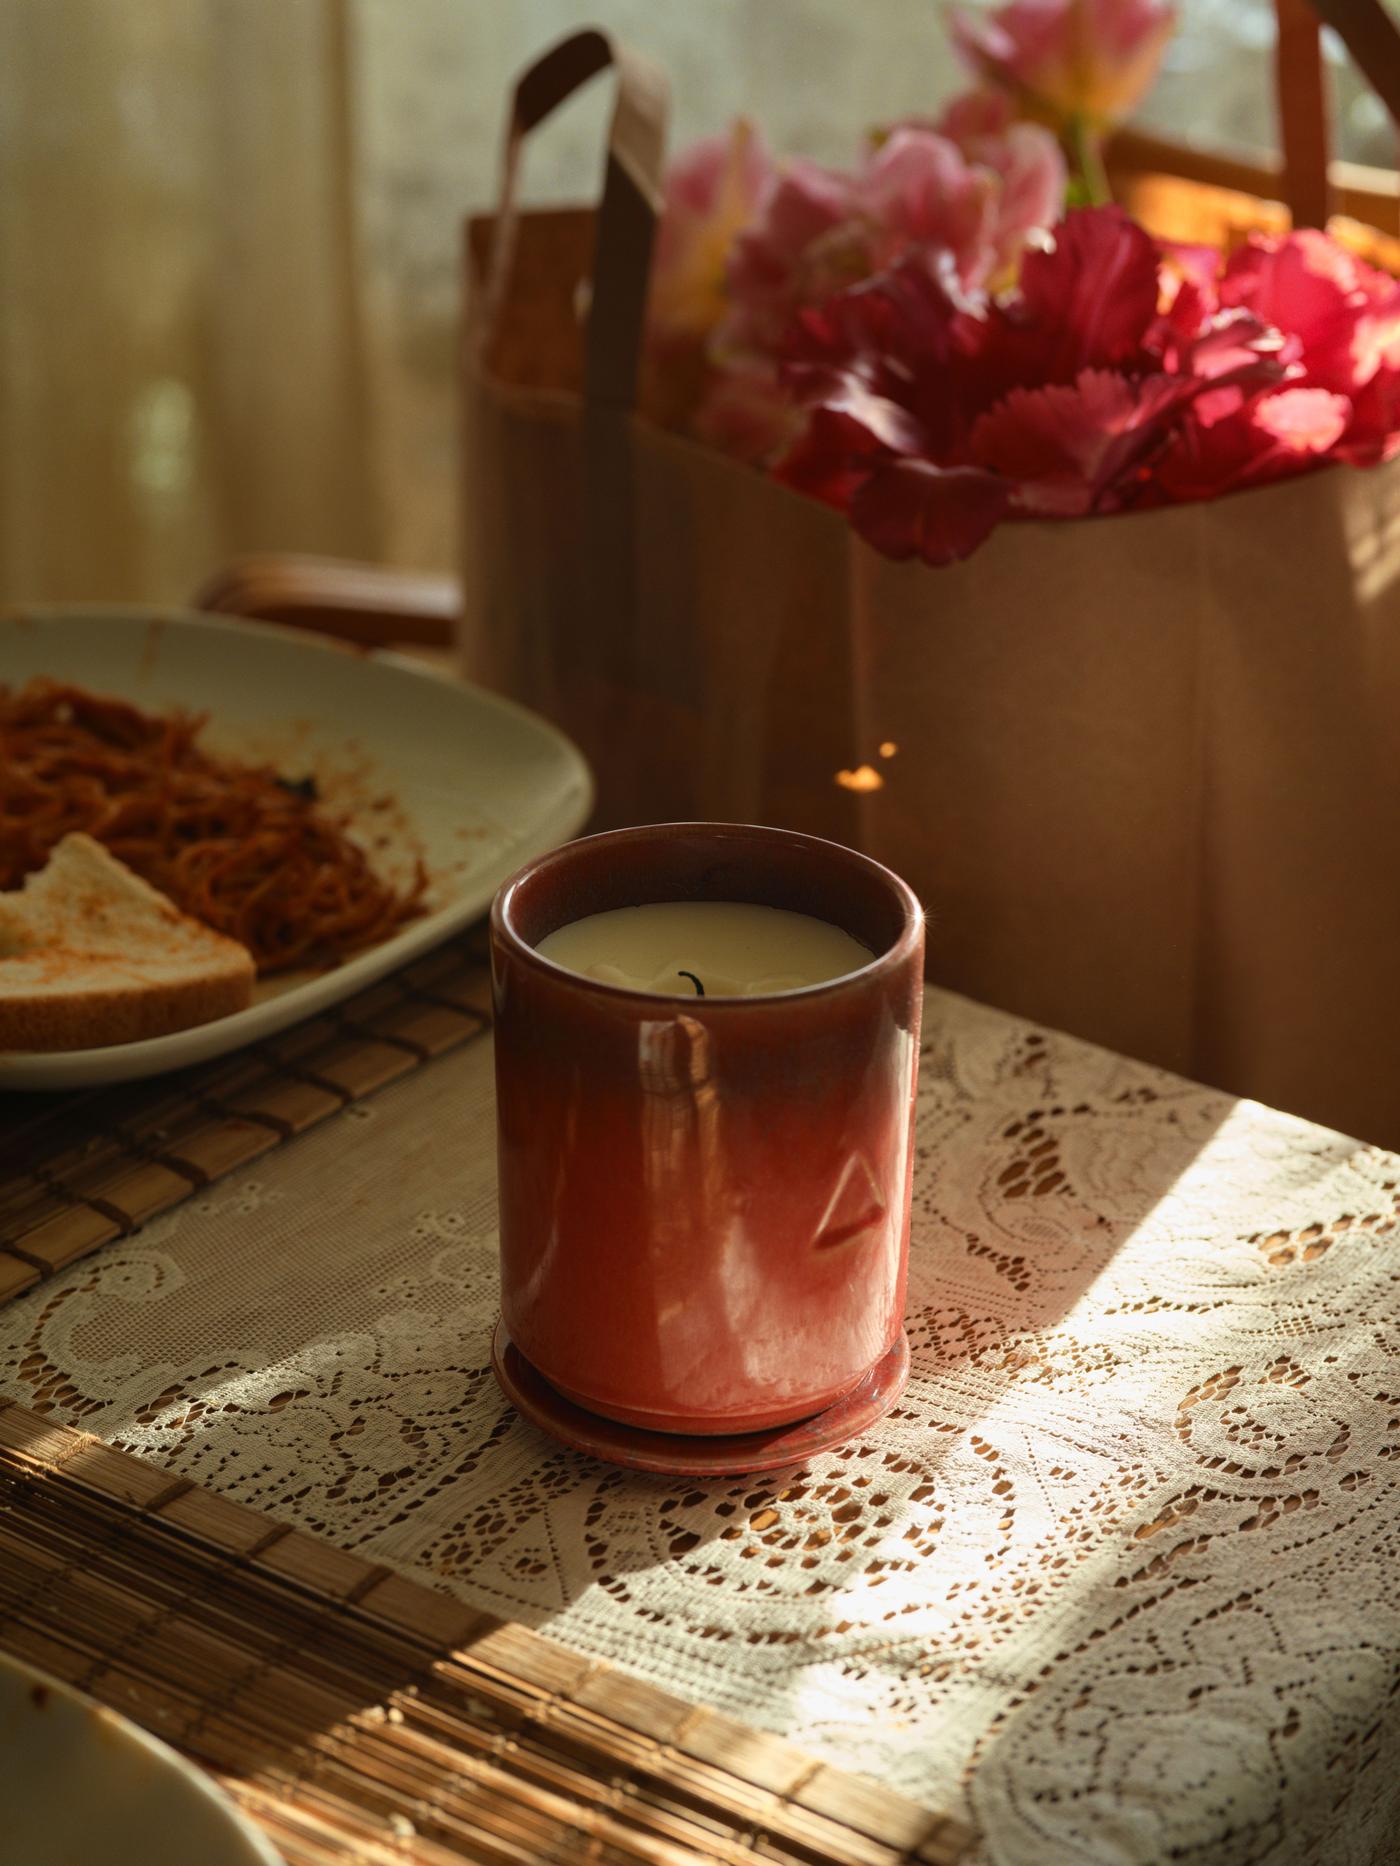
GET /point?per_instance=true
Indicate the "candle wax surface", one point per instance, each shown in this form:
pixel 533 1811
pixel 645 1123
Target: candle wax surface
pixel 736 949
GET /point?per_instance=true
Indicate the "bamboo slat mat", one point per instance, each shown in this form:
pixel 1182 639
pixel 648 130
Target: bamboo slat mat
pixel 78 1170
pixel 356 1715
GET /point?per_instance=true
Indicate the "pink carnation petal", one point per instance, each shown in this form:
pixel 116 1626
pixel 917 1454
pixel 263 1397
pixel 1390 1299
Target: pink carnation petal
pixel 912 508
pixel 829 460
pixel 1309 288
pixel 1228 342
pixel 885 422
pixel 843 438
pixel 1213 405
pixel 1066 445
pixel 903 322
pixel 1193 264
pixel 1204 462
pixel 1376 340
pixel 1374 434
pixel 1303 421
pixel 910 335
pixel 1094 295
pixel 1272 438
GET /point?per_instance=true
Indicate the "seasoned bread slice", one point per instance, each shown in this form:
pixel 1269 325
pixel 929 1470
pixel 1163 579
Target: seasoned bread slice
pixel 90 954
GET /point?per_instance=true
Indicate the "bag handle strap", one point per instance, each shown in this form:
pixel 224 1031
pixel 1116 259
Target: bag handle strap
pixel 1373 40
pixel 627 212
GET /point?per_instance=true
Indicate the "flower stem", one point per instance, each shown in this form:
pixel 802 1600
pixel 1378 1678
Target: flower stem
pixel 1086 152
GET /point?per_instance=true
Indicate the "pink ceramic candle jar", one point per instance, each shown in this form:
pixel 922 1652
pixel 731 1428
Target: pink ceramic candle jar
pixel 704 1202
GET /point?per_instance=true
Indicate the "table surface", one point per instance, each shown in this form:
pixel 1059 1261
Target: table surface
pixel 1116 1577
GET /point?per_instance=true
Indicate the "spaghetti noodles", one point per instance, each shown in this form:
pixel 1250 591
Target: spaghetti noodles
pixel 237 846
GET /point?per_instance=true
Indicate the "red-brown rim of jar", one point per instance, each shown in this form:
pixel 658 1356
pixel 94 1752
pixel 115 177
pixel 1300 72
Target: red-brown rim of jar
pixel 896 955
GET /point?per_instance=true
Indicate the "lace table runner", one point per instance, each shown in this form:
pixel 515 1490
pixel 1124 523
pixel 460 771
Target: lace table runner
pixel 1117 1578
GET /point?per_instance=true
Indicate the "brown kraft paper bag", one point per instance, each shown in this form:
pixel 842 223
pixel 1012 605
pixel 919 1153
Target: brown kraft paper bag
pixel 1147 776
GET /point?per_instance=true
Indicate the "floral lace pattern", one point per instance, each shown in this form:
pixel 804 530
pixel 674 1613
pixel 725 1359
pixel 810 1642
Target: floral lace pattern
pixel 1116 1578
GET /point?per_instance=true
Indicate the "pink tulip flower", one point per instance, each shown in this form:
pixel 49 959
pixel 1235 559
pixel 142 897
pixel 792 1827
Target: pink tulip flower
pixel 712 192
pixel 1067 61
pixel 809 241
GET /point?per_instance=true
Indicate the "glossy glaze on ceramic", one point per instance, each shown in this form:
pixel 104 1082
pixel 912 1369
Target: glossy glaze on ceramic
pixel 705 1203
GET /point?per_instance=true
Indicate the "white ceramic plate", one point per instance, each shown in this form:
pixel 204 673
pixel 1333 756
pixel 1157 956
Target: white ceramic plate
pixel 80 1786
pixel 430 765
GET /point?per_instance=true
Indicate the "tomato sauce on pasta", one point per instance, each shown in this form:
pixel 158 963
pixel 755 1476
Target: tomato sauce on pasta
pixel 238 846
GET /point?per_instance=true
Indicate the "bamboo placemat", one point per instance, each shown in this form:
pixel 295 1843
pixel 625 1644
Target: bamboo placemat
pixel 78 1170
pixel 357 1715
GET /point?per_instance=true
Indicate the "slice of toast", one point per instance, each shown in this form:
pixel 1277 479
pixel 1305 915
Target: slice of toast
pixel 90 955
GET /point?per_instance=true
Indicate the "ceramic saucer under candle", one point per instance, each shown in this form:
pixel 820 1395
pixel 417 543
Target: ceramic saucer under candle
pixel 674 1454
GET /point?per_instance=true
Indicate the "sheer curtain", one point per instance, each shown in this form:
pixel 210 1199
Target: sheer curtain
pixel 181 331
pixel 229 237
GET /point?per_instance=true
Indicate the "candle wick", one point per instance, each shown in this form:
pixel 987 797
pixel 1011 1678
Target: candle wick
pixel 699 988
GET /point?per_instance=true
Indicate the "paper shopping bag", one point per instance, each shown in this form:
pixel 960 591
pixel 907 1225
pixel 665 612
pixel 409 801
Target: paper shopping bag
pixel 1143 771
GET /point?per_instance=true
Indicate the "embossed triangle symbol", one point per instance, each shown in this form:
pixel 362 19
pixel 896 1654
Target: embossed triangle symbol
pixel 856 1205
